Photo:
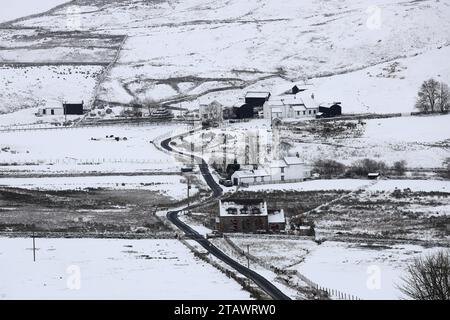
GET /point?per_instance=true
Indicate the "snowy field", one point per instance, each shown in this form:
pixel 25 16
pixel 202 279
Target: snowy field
pixel 108 269
pixel 350 268
pixel 174 58
pixel 356 184
pixel 342 266
pixel 423 142
pixel 21 8
pixel 74 148
pixel 173 186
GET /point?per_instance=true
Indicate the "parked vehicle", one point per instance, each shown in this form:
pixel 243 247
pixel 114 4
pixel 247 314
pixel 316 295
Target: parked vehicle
pixel 226 183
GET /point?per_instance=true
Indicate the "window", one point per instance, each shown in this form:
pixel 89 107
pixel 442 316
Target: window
pixel 262 179
pixel 315 111
pixel 309 111
pixel 44 111
pixel 282 170
pixel 282 178
pixel 52 112
pixel 304 112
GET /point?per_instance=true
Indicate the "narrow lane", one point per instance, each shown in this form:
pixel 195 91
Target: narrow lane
pixel 259 280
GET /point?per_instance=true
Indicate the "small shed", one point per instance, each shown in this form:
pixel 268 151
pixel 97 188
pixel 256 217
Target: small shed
pixel 373 175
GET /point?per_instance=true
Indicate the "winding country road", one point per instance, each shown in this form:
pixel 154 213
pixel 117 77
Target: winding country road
pixel 262 282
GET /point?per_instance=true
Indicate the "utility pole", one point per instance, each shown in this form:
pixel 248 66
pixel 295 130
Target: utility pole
pixel 188 188
pixel 34 248
pixel 248 256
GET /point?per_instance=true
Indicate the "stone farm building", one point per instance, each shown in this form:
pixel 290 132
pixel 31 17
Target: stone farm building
pixel 248 216
pixel 330 110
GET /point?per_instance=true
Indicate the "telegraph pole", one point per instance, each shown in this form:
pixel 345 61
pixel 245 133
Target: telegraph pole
pixel 248 256
pixel 188 188
pixel 34 248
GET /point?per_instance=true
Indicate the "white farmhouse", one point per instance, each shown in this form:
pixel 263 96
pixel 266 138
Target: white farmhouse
pixel 289 169
pixel 250 177
pixel 291 106
pixel 285 170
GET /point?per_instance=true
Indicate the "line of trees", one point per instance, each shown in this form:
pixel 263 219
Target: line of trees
pixel 360 168
pixel 433 96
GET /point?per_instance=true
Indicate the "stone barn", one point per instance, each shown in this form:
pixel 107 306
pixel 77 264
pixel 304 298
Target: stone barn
pixel 248 216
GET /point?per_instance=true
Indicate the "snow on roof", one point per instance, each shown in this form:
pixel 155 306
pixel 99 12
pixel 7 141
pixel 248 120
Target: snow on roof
pixel 250 173
pixel 301 99
pixel 52 107
pixel 286 87
pixel 238 208
pixel 293 160
pixel 257 94
pixel 298 108
pixel 277 216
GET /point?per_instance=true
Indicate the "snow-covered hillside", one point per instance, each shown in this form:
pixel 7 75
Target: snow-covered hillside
pixel 20 8
pixel 177 52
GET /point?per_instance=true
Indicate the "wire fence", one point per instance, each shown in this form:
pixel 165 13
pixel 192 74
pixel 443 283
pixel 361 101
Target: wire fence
pixel 96 124
pixel 78 161
pixel 332 293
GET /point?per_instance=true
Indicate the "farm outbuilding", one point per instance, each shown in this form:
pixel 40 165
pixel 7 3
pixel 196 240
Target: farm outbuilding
pixel 73 108
pixel 257 98
pixel 333 110
pixel 246 111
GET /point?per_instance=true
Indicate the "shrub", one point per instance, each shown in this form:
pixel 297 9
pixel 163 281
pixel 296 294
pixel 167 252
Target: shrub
pixel 428 278
pixel 399 167
pixel 328 167
pixel 365 166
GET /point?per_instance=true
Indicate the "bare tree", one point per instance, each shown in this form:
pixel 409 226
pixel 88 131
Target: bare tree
pixel 428 278
pixel 366 166
pixel 328 167
pixel 150 104
pixel 433 96
pixel 399 167
pixel 443 101
pixel 427 96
